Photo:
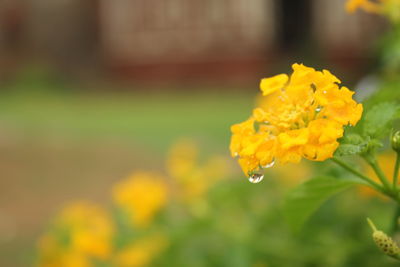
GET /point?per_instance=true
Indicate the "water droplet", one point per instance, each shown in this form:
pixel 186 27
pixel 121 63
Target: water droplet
pixel 255 178
pixel 318 109
pixel 269 165
pixel 324 92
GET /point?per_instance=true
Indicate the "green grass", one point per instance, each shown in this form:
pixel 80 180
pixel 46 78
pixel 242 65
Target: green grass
pixel 154 119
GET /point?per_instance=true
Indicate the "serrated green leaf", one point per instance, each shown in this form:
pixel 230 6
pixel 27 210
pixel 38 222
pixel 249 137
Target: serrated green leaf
pixel 306 198
pixel 352 144
pixel 352 138
pixel 378 119
pixel 349 149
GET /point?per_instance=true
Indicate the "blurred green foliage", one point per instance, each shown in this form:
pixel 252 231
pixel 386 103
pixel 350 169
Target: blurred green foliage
pixel 245 225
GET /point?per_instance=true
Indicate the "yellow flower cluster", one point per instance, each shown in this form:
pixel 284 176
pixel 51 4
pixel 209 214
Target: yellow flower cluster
pixel 141 252
pixel 142 195
pixel 388 8
pixel 366 5
pixel 82 232
pixel 298 116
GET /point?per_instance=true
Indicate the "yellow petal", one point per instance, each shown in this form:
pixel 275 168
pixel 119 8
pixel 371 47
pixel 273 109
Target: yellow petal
pixel 293 138
pixel 270 85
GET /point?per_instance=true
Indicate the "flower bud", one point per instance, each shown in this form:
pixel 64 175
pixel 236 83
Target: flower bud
pixel 395 141
pixel 384 242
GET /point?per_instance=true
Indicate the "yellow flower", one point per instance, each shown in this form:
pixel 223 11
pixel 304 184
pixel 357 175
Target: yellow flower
pixel 91 227
pixel 366 5
pixel 291 174
pixel 182 157
pixel 193 178
pixel 387 8
pixel 386 161
pixel 201 179
pixel 75 260
pixel 50 251
pixel 142 195
pixel 300 116
pixel 66 259
pixel 82 231
pixel 273 84
pixel 141 252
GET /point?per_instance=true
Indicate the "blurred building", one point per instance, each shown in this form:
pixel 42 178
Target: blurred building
pixel 182 39
pixel 179 38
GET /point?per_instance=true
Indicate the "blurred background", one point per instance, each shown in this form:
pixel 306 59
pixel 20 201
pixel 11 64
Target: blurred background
pixel 92 90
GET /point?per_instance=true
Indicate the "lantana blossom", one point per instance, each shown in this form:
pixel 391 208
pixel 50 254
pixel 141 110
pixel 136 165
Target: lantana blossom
pixel 142 195
pixel 300 116
pixel 366 5
pixel 81 233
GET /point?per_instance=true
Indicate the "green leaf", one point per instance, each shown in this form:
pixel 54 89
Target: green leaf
pixel 352 138
pixel 349 149
pixel 306 198
pixel 352 144
pixel 378 119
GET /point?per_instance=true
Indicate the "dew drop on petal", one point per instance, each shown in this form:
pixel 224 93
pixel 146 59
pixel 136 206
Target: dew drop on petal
pixel 255 178
pixel 269 165
pixel 318 109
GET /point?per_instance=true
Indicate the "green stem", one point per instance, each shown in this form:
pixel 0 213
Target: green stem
pixel 375 166
pixel 360 175
pixel 396 215
pixel 372 225
pixel 396 171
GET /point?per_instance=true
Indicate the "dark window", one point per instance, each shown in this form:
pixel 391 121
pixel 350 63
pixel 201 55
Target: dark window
pixel 294 23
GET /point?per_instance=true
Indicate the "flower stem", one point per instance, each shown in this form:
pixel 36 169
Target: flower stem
pixel 359 174
pixel 382 177
pixel 396 215
pixel 372 225
pixel 396 171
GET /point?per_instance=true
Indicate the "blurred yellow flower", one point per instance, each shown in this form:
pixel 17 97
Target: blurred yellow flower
pixel 141 252
pixel 75 260
pixel 192 178
pixel 82 231
pixel 366 5
pixel 299 116
pixel 91 227
pixel 181 158
pixel 386 161
pixel 66 259
pixel 291 175
pixel 142 195
pixel 388 8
